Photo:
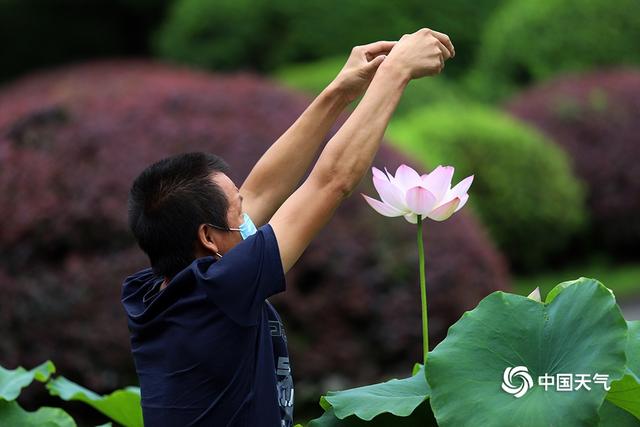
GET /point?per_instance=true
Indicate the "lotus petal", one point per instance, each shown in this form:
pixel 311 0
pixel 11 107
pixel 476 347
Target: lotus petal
pixel 393 180
pixel 439 181
pixel 390 194
pixel 378 173
pixel 412 218
pixel 461 188
pixel 444 211
pixel 382 208
pixel 407 177
pixel 463 201
pixel 420 200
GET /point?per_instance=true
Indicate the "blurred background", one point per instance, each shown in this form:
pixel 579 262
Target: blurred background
pixel 541 103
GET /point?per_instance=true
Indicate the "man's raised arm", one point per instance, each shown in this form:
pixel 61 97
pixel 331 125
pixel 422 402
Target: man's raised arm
pixel 349 154
pixel 279 170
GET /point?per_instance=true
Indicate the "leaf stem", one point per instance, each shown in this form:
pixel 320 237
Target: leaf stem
pixel 423 293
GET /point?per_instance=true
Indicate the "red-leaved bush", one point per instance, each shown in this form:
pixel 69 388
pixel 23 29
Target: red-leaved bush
pixel 72 141
pixel 596 118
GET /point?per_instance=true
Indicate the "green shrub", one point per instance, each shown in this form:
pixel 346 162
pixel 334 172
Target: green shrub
pixel 224 34
pixel 527 41
pixel 311 77
pixel 314 77
pixel 263 35
pixel 524 190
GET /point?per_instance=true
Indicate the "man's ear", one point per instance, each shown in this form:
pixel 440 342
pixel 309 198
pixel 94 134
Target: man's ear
pixel 206 240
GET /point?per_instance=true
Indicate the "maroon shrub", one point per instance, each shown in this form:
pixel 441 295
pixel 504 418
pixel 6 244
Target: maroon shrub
pixel 596 118
pixel 72 141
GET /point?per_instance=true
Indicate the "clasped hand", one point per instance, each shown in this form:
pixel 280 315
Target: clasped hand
pixel 418 54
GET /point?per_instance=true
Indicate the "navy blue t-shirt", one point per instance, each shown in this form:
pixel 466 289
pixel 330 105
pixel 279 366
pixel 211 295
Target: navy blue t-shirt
pixel 209 349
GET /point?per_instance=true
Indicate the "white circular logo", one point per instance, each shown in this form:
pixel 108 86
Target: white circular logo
pixel 520 372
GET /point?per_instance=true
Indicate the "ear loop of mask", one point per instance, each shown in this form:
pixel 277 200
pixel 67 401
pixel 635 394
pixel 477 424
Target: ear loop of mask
pixel 224 229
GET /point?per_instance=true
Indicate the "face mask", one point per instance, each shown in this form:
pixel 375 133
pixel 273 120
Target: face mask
pixel 247 228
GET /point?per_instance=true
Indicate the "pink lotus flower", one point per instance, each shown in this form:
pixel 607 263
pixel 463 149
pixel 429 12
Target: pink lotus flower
pixel 409 194
pixel 415 197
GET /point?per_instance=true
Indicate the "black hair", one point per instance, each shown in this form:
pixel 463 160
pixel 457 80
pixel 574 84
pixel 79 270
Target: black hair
pixel 169 201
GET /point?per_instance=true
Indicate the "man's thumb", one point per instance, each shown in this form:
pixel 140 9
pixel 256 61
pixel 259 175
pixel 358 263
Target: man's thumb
pixel 375 62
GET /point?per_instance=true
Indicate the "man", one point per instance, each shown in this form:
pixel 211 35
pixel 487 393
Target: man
pixel 208 347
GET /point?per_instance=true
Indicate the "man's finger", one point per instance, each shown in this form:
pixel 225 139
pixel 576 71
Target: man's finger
pixel 378 48
pixel 445 52
pixel 375 63
pixel 445 40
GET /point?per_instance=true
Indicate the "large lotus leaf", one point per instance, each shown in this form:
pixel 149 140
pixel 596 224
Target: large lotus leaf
pixel 625 393
pixel 612 416
pixel 633 347
pixel 581 331
pixel 11 414
pixel 13 381
pixel 563 285
pixel 420 417
pixel 398 397
pixel 122 406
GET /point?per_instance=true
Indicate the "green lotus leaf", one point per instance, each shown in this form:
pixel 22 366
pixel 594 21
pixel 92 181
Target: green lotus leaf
pixel 613 416
pixel 13 381
pixel 420 417
pixel 11 414
pixel 579 331
pixel 122 406
pixel 398 397
pixel 625 393
pixel 563 285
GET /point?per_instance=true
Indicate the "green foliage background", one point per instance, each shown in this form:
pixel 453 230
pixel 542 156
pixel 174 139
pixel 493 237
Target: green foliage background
pixel 525 42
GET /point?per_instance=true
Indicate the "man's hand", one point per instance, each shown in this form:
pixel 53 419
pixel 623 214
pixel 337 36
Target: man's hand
pixel 361 66
pixel 422 53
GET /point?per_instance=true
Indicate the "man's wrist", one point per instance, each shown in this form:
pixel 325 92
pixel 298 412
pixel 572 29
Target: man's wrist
pixel 337 93
pixel 395 71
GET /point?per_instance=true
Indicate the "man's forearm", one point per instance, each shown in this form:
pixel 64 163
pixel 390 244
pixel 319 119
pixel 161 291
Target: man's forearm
pixel 277 173
pixel 348 155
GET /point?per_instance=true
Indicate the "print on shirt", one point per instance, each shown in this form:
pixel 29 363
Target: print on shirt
pixel 282 368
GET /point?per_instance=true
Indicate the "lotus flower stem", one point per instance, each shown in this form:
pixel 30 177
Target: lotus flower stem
pixel 423 293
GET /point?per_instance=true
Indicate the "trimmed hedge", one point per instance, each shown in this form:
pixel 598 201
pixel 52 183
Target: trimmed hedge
pixel 314 77
pixel 595 118
pixel 527 41
pixel 262 35
pixel 524 189
pixel 72 141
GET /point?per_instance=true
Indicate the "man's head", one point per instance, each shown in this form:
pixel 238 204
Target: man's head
pixel 172 201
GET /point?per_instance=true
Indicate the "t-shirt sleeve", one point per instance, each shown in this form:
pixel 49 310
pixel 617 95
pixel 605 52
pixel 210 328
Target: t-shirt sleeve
pixel 244 277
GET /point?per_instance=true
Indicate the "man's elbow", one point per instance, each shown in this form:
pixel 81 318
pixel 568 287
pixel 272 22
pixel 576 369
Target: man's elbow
pixel 336 185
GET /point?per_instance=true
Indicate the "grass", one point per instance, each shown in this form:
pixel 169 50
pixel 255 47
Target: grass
pixel 623 280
